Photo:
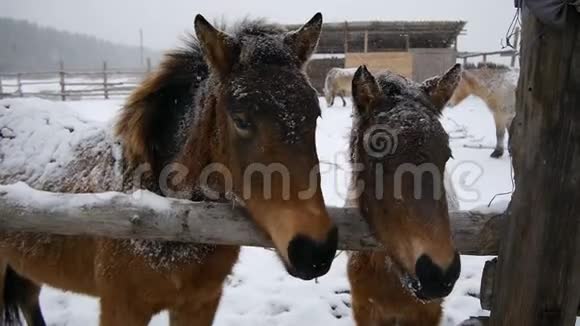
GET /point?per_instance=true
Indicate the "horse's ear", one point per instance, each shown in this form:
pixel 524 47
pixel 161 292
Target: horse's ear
pixel 365 90
pixel 218 47
pixel 303 41
pixel 441 88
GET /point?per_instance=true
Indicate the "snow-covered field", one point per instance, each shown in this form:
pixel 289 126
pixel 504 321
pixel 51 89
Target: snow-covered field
pixel 259 292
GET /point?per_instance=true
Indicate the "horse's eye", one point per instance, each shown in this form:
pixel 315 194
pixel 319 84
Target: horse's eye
pixel 243 125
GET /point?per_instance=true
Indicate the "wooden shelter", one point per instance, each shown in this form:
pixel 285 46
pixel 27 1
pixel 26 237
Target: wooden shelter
pixel 418 50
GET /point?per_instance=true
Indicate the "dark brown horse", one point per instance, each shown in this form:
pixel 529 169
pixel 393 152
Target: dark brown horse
pixel 232 116
pixel 401 150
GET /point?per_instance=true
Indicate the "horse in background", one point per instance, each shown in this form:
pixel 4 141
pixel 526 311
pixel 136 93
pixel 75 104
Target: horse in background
pixel 229 102
pixel 401 149
pixel 496 86
pixel 338 83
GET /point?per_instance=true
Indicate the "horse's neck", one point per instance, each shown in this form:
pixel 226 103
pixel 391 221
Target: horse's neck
pixel 202 147
pixel 485 83
pixel 477 86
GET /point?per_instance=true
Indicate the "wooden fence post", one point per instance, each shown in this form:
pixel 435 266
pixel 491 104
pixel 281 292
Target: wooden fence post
pixel 538 273
pixel 516 47
pixel 484 58
pixel 62 81
pixel 19 85
pixel 105 81
pixel 148 65
pixel 366 45
pixel 345 37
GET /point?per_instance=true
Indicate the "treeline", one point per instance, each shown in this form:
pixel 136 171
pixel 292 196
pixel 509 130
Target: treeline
pixel 28 47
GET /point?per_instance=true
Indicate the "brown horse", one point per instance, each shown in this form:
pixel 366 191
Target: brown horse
pixel 401 150
pixel 496 86
pixel 238 115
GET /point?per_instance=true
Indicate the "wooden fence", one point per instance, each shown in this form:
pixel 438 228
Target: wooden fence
pixel 144 215
pixel 484 55
pixel 513 53
pixel 71 85
pixel 107 83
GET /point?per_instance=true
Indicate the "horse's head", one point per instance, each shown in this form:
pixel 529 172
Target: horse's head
pixel 266 113
pixel 401 149
pixel 463 90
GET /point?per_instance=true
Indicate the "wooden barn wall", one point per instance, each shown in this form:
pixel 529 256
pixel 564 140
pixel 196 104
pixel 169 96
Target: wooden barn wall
pixel 431 62
pixel 418 64
pixel 398 62
pixel 318 68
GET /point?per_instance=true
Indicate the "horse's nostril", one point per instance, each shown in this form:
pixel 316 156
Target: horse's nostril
pixel 435 282
pixel 310 258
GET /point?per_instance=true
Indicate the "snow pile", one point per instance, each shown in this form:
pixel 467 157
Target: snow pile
pixel 38 137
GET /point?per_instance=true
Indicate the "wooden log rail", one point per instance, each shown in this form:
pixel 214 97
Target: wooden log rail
pixel 145 215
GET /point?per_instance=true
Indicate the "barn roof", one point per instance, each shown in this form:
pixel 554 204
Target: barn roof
pixel 387 35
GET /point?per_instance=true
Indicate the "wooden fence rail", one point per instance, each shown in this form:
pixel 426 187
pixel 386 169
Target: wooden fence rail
pixel 484 55
pixel 513 52
pixel 103 83
pixel 144 215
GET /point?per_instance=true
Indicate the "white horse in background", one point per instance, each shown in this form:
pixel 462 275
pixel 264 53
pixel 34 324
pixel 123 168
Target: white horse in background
pixel 496 86
pixel 338 82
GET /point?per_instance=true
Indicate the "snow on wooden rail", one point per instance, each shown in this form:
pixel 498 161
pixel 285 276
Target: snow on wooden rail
pixel 145 215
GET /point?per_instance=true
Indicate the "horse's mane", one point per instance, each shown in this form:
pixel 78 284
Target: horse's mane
pixel 485 65
pixel 147 112
pixel 150 121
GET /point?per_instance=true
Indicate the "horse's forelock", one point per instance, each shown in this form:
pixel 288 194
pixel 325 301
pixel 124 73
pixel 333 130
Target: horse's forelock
pixel 279 92
pixel 402 91
pixel 256 27
pixel 259 41
pixel 407 119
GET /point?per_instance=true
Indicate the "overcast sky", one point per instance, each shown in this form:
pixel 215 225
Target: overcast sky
pixel 164 21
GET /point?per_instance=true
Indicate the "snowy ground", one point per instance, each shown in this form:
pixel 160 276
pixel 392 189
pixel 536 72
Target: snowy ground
pixel 259 292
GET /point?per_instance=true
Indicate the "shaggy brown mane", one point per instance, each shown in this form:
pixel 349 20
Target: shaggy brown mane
pixel 177 76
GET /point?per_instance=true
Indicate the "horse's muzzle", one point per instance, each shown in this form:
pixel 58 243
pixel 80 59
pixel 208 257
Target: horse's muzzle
pixel 310 258
pixel 435 282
